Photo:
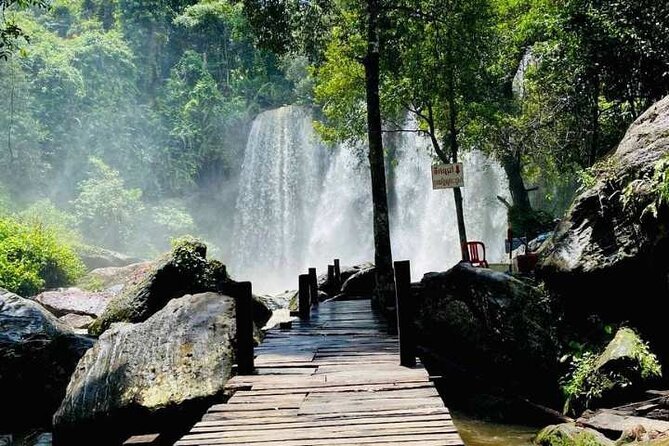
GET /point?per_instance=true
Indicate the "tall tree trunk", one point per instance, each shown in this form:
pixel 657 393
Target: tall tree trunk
pixel 513 169
pixel 453 140
pixel 383 258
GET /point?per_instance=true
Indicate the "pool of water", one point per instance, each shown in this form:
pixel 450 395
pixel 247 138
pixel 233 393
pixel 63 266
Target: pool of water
pixel 476 432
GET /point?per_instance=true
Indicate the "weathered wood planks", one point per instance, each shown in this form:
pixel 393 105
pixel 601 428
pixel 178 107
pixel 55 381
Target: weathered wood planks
pixel 334 379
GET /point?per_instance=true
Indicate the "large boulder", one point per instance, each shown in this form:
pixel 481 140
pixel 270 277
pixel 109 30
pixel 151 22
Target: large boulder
pixel 138 375
pixel 333 289
pixel 185 270
pixel 37 356
pixel 361 283
pixel 489 328
pixel 615 236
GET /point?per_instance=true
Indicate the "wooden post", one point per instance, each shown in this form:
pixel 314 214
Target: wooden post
pixel 244 318
pixel 337 272
pixel 404 307
pixel 331 279
pixel 304 298
pixel 313 286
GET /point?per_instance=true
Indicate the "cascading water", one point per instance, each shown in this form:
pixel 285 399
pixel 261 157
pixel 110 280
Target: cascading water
pixel 278 194
pixel 302 204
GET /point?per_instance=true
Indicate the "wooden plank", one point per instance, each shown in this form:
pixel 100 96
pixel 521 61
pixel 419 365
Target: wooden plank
pixel 332 380
pixel 420 439
pixel 145 440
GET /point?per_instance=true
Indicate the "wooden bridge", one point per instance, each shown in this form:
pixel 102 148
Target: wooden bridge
pixel 333 378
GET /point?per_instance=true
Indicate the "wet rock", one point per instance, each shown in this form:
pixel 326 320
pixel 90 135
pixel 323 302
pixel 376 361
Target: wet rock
pixel 331 289
pixel 38 353
pixel 185 270
pixel 569 434
pixel 361 283
pixel 64 301
pixel 137 375
pixel 489 328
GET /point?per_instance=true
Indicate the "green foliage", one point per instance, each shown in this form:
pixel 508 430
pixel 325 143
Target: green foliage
pixel 593 375
pixel 105 208
pixel 650 192
pixel 11 34
pixel 33 258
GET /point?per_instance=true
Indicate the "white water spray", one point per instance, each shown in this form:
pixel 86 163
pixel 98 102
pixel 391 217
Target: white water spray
pixel 302 205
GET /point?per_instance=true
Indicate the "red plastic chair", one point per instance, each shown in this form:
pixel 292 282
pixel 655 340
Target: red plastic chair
pixel 476 252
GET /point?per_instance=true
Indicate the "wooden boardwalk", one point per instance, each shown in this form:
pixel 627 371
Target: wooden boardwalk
pixel 332 380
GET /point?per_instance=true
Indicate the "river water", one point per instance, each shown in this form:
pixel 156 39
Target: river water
pixel 475 432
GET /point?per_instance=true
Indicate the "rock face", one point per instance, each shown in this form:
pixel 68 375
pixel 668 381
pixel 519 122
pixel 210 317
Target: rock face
pixel 185 270
pixel 617 229
pixel 64 301
pixel 487 327
pixel 37 356
pixel 136 373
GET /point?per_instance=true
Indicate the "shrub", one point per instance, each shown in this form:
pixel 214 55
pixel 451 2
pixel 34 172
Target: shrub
pixel 106 209
pixel 33 258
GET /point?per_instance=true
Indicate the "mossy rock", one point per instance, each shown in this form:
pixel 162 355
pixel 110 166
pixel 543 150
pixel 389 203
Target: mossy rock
pixel 185 270
pixel 625 368
pixel 569 434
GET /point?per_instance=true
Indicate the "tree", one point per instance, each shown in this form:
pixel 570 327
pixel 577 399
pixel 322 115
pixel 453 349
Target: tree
pixel 383 258
pixel 272 20
pixel 12 34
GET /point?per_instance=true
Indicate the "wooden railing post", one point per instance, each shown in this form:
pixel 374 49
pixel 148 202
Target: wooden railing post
pixel 313 286
pixel 244 319
pixel 404 305
pixel 331 278
pixel 304 297
pixel 337 272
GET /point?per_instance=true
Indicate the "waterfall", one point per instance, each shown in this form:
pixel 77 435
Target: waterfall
pixel 301 204
pixel 423 221
pixel 279 188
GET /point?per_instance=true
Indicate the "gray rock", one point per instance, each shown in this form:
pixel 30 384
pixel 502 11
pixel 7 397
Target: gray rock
pixel 136 372
pixel 96 257
pixel 38 353
pixel 76 321
pixel 185 270
pixel 490 328
pixel 64 301
pixel 113 278
pixel 616 231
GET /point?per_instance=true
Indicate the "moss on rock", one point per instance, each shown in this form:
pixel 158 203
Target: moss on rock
pixel 623 367
pixel 569 434
pixel 185 270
